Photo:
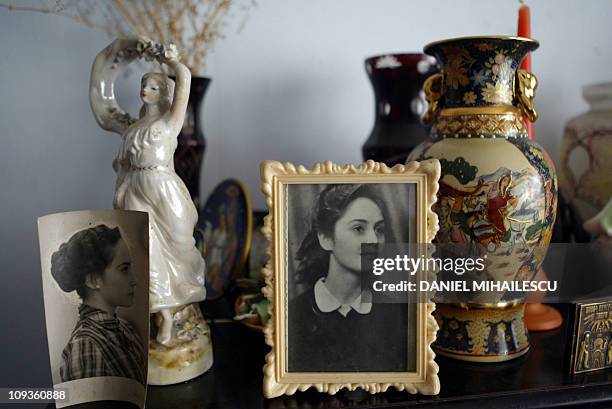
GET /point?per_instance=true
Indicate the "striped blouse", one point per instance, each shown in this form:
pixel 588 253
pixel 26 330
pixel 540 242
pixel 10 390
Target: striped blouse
pixel 103 344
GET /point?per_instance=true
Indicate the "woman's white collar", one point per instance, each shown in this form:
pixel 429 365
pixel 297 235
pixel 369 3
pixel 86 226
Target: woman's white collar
pixel 326 302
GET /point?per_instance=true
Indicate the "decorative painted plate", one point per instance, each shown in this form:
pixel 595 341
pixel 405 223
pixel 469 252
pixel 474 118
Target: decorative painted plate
pixel 225 227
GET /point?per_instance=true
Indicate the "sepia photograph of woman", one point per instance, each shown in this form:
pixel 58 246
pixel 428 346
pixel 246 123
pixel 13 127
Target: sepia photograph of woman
pixel 97 264
pixel 334 325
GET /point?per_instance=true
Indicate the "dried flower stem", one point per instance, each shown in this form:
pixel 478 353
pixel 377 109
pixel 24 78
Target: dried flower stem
pixel 123 10
pixel 79 19
pixel 193 25
pixel 142 22
pixel 155 20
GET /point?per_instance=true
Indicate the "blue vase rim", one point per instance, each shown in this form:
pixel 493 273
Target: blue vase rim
pixel 534 44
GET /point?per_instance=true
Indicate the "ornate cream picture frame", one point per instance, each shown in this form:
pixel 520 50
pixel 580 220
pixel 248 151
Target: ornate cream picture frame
pixel 275 178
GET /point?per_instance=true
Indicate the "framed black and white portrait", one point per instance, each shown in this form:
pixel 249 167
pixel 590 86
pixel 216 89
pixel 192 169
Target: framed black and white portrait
pixel 95 276
pixel 327 329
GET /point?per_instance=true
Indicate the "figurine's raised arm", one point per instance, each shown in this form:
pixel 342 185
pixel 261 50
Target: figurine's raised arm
pixel 102 83
pixel 176 115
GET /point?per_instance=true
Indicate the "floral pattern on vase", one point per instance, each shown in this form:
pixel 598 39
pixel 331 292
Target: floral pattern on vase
pixel 479 71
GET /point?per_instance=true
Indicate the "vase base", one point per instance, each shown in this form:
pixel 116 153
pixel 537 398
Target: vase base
pixel 479 359
pixel 476 334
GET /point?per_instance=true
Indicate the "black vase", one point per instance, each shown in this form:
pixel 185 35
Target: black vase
pixel 189 154
pixel 397 80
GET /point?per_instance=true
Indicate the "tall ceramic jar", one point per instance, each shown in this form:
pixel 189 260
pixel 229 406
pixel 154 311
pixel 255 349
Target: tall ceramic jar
pixel 397 80
pixel 498 190
pixel 189 153
pixel 585 173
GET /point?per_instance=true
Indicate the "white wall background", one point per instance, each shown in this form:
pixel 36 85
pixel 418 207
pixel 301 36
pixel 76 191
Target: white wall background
pixel 291 86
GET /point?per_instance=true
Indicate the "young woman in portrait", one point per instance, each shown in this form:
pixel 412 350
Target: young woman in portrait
pixel 96 263
pixel 335 326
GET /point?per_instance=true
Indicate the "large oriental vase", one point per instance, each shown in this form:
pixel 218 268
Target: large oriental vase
pixel 498 189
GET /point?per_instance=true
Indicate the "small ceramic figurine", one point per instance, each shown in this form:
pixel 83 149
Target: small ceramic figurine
pixel 146 181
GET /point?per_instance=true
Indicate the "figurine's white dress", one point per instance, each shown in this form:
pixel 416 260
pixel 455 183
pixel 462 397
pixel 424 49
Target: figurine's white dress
pixel 146 181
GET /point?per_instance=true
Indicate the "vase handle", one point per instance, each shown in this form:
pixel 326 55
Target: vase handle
pixel 525 86
pixel 433 92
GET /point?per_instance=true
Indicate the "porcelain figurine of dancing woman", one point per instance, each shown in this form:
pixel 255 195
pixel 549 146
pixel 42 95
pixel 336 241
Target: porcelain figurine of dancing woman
pixel 146 181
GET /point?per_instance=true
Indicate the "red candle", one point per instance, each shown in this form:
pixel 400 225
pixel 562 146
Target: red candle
pixel 524 30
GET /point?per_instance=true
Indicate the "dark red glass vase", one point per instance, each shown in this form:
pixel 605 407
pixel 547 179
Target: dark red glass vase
pixel 397 80
pixel 189 154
